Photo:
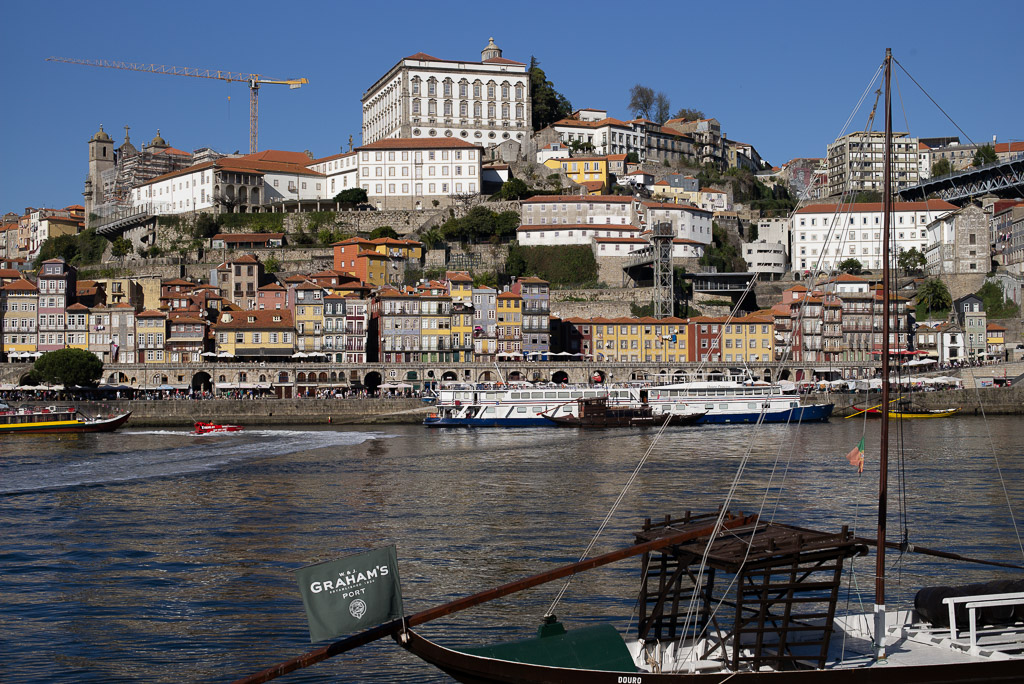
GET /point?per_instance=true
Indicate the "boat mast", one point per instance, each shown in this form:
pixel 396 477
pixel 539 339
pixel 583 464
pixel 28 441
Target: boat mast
pixel 883 450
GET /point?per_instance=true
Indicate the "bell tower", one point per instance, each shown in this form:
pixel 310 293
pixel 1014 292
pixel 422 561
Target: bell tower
pixel 491 51
pixel 101 158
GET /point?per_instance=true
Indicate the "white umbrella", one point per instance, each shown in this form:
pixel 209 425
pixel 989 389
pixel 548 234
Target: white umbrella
pixel 299 355
pixel 226 355
pixel 210 353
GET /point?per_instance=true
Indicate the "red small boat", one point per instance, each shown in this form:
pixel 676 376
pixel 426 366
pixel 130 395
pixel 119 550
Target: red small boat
pixel 202 428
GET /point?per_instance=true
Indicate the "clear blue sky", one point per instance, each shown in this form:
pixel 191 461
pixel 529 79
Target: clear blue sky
pixel 783 76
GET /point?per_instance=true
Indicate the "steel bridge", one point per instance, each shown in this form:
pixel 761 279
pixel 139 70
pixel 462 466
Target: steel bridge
pixel 1004 179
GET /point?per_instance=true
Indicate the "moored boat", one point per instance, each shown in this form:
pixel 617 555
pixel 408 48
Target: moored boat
pixel 912 413
pixel 56 419
pixel 201 428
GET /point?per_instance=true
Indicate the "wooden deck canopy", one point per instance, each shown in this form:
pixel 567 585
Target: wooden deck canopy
pixel 767 596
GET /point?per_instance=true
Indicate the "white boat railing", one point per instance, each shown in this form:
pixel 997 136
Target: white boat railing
pixel 972 604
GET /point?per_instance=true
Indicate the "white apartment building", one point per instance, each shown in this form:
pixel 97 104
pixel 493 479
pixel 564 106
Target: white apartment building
pixel 606 135
pixel 855 162
pixel 340 171
pixel 485 102
pixel 231 184
pixel 403 173
pixel 825 235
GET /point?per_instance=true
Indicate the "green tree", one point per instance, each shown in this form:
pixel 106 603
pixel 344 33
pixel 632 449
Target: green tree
pixel 580 146
pixel 548 105
pixel 383 232
pixel 662 109
pixel 722 254
pixel 120 248
pixel 515 263
pixel 272 264
pixel 941 168
pixel 911 260
pixel 641 101
pixel 432 238
pixel 689 114
pixel 61 247
pixel 512 189
pixel 205 227
pixel 68 367
pixel 353 196
pixel 986 154
pixel 933 298
pixel 995 303
pixel 632 158
pixel 852 266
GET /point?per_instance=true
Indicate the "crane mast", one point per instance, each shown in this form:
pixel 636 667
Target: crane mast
pixel 253 80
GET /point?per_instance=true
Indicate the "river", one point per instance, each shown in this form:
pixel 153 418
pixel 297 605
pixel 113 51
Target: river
pixel 153 555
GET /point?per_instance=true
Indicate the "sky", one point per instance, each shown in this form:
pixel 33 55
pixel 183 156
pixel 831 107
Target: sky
pixel 782 76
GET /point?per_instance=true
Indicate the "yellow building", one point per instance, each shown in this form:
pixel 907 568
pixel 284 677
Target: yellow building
pixel 509 329
pixel 460 288
pixel 20 303
pixel 398 249
pixel 646 339
pixel 749 338
pixel 151 333
pixel 436 328
pixel 309 316
pixel 265 334
pixel 590 172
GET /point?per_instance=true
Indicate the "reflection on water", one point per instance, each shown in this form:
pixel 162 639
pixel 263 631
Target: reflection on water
pixel 159 556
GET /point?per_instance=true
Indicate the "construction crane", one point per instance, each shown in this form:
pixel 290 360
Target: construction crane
pixel 254 81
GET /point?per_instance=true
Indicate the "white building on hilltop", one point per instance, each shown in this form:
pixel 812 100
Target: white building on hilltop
pixel 485 102
pixel 825 235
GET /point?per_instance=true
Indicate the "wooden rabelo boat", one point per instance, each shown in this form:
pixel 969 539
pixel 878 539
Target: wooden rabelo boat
pixel 56 419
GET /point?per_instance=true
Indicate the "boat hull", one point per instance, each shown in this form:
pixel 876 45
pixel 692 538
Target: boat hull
pixel 66 426
pixel 473 669
pixel 800 414
pixel 628 421
pixel 944 413
pixel 439 421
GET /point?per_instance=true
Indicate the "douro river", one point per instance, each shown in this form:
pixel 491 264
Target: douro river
pixel 154 555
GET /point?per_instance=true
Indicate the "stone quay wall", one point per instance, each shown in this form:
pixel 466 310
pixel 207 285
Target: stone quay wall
pixel 251 413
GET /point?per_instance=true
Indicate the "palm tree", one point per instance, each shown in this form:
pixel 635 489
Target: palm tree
pixel 933 295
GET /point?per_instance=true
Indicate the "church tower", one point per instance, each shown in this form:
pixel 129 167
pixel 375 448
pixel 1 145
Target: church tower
pixel 491 51
pixel 101 158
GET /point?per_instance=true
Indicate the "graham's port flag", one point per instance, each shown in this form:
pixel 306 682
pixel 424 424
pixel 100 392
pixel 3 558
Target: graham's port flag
pixel 351 594
pixel 856 456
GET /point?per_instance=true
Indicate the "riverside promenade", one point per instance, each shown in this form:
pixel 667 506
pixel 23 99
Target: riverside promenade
pixel 368 411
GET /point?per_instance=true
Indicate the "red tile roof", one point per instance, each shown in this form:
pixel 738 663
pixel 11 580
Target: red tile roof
pixel 539 199
pixel 929 205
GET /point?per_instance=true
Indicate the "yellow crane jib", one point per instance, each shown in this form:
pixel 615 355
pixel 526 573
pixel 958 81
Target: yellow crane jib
pixel 253 80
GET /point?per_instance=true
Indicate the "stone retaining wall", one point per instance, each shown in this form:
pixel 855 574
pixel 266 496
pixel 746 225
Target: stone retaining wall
pixel 264 412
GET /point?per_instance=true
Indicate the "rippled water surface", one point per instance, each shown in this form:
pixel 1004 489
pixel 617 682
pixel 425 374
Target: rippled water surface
pixel 154 555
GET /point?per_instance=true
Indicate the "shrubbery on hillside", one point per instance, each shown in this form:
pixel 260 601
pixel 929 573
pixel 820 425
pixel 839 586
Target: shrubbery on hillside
pixel 562 266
